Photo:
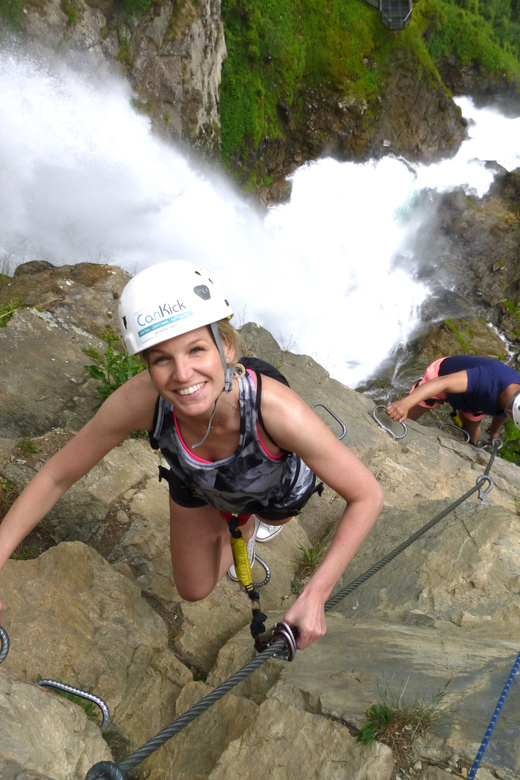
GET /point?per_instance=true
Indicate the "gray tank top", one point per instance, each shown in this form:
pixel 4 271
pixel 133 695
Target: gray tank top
pixel 251 480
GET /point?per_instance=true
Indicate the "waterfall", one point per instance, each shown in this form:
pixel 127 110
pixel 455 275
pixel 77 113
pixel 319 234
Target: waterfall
pixel 85 179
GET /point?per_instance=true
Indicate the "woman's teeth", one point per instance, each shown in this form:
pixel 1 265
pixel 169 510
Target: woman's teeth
pixel 190 390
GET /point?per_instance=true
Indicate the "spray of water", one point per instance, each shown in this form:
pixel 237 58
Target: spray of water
pixel 84 179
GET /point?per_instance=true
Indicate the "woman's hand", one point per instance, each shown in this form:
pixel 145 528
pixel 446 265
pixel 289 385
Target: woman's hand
pixel 398 410
pixel 307 614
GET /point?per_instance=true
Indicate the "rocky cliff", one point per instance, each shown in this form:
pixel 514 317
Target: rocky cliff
pixel 89 598
pixel 172 55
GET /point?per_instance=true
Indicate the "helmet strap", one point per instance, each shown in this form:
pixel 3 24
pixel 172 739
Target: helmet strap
pixel 228 370
pixel 209 425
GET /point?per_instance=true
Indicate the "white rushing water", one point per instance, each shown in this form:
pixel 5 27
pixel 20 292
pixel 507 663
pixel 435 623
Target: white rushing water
pixel 84 179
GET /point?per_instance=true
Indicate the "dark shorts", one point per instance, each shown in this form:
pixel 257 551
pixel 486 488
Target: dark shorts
pixel 182 494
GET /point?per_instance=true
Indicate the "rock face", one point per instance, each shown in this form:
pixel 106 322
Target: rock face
pixel 473 246
pixel 98 609
pixel 414 117
pixel 172 55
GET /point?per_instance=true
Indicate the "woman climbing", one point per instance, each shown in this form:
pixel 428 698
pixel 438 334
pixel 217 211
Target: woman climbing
pixel 474 386
pixel 235 442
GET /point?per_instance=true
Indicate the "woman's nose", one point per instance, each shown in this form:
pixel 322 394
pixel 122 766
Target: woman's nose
pixel 182 370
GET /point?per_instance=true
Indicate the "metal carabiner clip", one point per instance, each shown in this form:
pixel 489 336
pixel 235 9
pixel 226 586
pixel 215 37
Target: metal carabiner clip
pixel 280 631
pixel 482 494
pixel 385 427
pixel 447 424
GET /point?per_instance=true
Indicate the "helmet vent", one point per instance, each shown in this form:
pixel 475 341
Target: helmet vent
pixel 126 326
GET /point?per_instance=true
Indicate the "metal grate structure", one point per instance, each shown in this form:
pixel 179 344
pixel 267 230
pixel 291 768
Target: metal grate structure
pixel 395 14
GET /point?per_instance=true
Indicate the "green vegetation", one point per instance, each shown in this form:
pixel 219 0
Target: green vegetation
pixel 308 560
pixel 28 448
pixel 482 31
pixel 510 449
pixel 112 368
pixel 6 311
pixel 135 7
pixel 466 347
pixel 282 52
pixel 396 723
pixel 70 9
pixel 276 47
pixel 11 13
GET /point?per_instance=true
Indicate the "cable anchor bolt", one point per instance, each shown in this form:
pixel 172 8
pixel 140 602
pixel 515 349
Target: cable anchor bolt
pixel 482 494
pixel 446 424
pixel 335 416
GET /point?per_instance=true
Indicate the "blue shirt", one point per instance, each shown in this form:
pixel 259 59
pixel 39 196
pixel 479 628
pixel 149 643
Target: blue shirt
pixel 487 379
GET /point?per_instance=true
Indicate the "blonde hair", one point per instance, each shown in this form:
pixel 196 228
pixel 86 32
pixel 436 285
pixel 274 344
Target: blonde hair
pixel 229 335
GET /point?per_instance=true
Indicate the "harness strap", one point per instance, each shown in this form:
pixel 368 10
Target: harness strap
pixel 243 570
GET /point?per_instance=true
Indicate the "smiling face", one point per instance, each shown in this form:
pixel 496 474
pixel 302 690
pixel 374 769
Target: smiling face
pixel 187 371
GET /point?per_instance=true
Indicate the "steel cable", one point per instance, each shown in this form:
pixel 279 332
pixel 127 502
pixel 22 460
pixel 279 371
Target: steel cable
pixel 100 770
pixel 112 771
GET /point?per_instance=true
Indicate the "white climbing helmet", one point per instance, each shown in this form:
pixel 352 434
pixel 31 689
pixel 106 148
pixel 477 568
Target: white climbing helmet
pixel 166 300
pixel 514 408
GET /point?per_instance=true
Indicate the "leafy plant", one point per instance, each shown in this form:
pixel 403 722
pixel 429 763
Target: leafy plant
pixel 6 485
pixel 112 368
pixel 510 449
pixel 378 718
pixel 396 723
pixel 28 447
pixel 7 310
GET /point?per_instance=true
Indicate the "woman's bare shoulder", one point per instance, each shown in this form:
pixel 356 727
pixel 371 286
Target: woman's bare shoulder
pixel 133 404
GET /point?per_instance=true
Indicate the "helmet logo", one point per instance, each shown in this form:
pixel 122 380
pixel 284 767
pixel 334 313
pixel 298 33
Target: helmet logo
pixel 165 316
pixel 202 291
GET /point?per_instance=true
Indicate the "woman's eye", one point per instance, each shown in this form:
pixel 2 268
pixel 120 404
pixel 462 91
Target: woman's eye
pixel 197 349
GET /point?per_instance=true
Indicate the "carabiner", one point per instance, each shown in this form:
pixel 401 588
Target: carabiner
pixel 385 427
pixel 280 631
pixel 5 644
pixel 447 424
pixel 340 422
pixel 482 494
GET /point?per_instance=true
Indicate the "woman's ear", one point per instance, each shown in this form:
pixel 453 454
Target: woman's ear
pixel 229 351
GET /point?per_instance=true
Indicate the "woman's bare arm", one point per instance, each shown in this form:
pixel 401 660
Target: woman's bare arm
pixel 129 408
pixel 451 383
pixel 297 428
